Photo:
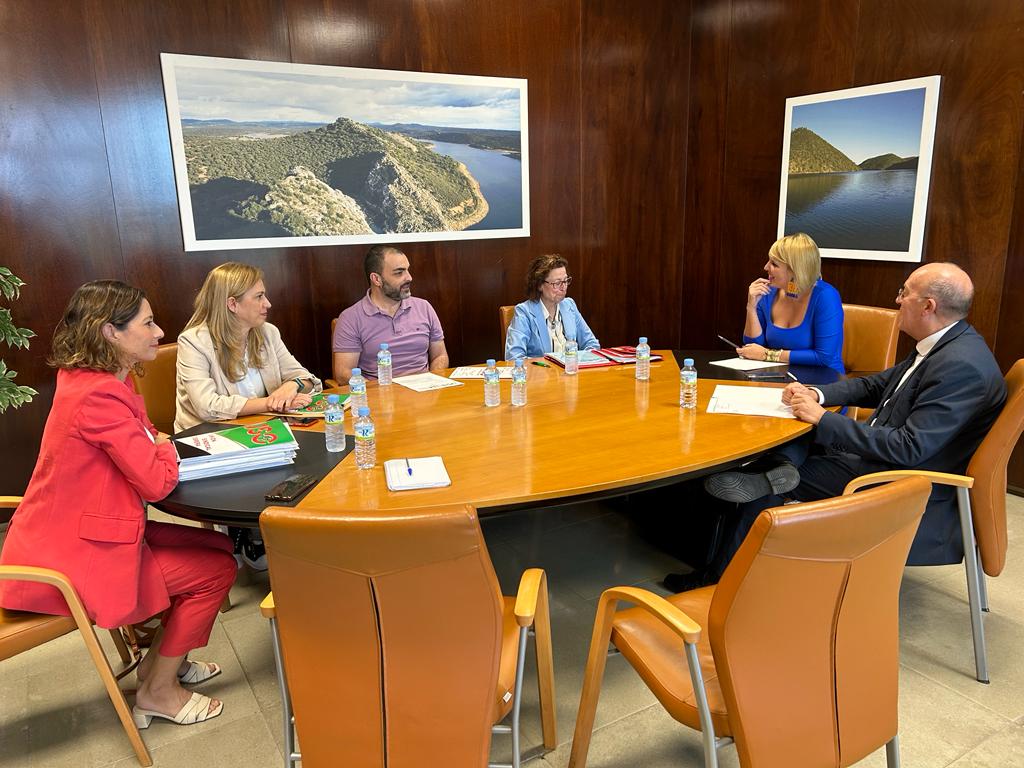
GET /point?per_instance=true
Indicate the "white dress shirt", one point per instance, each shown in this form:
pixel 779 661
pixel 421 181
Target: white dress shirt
pixel 555 330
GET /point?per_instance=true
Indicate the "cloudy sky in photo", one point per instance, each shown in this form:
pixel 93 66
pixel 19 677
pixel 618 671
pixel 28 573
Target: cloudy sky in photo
pixel 246 96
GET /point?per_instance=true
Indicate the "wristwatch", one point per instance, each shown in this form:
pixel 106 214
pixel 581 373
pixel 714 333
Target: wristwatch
pixel 298 383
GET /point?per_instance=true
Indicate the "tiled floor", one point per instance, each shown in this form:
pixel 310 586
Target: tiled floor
pixel 53 711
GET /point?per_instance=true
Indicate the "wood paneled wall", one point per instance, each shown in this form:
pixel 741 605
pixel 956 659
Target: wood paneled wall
pixel 655 141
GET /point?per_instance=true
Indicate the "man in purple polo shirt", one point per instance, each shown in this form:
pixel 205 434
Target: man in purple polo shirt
pixel 388 313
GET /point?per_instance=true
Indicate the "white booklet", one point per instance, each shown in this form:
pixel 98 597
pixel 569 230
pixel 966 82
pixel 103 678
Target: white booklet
pixel 424 382
pixel 749 401
pixel 742 364
pixel 407 474
pixel 477 372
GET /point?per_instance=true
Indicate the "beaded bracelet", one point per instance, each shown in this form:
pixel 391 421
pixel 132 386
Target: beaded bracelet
pixel 772 355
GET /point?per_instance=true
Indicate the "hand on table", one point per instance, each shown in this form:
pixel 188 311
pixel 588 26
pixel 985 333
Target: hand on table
pixel 752 352
pixel 286 398
pixel 792 389
pixel 805 405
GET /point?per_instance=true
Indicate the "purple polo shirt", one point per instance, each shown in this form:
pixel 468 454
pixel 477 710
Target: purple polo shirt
pixel 363 326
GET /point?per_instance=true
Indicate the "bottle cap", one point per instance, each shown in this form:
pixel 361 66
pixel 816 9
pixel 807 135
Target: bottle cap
pixel 364 411
pixel 333 399
pixel 688 361
pixel 490 362
pixel 643 339
pixel 357 371
pixel 520 362
pixel 383 346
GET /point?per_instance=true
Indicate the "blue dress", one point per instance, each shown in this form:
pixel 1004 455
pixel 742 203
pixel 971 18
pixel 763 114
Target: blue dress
pixel 818 340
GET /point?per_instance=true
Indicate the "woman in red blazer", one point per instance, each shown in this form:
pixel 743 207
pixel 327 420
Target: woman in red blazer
pixel 84 512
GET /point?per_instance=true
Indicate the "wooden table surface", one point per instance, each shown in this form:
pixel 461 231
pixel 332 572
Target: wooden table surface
pixel 592 433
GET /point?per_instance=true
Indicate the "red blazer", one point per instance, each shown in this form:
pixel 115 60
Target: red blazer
pixel 84 510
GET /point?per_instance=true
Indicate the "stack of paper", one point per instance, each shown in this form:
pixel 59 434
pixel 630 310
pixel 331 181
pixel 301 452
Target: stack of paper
pixel 600 358
pixel 407 474
pixel 424 382
pixel 477 372
pixel 236 449
pixel 749 401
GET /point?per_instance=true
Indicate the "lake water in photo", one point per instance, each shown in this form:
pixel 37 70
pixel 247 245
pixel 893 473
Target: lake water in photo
pixel 861 210
pixel 501 183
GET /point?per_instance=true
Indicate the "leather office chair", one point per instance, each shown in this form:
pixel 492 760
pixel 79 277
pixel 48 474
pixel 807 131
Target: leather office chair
pixel 505 315
pixel 21 631
pixel 869 343
pixel 794 654
pixel 392 640
pixel 332 383
pixel 981 498
pixel 157 386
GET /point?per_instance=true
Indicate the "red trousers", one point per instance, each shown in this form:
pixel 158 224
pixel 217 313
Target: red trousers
pixel 198 570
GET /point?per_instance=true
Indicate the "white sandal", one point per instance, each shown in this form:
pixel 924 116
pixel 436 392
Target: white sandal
pixel 195 710
pixel 198 672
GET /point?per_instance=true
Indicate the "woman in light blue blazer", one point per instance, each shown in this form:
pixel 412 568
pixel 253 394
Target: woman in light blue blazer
pixel 548 318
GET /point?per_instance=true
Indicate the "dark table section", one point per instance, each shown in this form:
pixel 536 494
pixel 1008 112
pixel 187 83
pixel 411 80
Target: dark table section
pixel 805 374
pixel 238 499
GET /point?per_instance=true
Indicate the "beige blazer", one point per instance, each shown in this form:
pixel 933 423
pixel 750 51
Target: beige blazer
pixel 204 392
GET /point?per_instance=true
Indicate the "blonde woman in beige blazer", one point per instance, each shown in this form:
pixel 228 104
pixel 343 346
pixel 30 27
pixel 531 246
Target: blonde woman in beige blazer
pixel 232 362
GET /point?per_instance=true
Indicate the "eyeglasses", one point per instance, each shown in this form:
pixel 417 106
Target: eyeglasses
pixel 559 283
pixel 902 293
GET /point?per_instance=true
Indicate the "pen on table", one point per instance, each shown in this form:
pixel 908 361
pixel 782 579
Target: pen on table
pixel 734 346
pixel 407 467
pixel 794 378
pixel 538 362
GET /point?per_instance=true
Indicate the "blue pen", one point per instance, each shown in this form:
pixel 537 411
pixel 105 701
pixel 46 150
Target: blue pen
pixel 407 467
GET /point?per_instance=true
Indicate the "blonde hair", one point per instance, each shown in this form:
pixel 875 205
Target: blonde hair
pixel 211 309
pixel 78 340
pixel 800 253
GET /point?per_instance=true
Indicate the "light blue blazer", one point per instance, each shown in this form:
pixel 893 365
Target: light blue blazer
pixel 528 332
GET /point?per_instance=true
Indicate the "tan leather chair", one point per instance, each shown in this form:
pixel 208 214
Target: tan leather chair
pixel 332 383
pixel 397 646
pixel 505 315
pixel 794 655
pixel 158 388
pixel 869 343
pixel 21 631
pixel 981 497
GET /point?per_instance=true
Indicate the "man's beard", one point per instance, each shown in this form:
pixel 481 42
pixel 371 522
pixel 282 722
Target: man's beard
pixel 395 292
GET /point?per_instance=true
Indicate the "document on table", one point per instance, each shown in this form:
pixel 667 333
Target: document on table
pixel 742 364
pixel 408 474
pixel 749 401
pixel 425 382
pixel 477 372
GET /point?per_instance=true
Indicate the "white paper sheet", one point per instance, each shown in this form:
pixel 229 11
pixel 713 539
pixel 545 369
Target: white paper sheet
pixel 425 473
pixel 477 372
pixel 749 401
pixel 742 364
pixel 424 382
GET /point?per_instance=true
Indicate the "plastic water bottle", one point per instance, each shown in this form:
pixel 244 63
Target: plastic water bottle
pixel 643 360
pixel 519 383
pixel 384 365
pixel 357 391
pixel 688 384
pixel 492 386
pixel 366 440
pixel 334 425
pixel 572 357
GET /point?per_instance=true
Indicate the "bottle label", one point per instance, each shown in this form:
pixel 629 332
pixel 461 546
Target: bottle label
pixel 364 432
pixel 334 417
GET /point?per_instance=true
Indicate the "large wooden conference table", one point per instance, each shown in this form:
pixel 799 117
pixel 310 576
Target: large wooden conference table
pixel 600 432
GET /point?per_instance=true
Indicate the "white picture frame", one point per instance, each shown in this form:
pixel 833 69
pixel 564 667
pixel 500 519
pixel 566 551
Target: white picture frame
pixel 272 154
pixel 856 169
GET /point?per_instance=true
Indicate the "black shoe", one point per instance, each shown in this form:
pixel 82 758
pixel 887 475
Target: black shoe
pixel 742 487
pixel 684 582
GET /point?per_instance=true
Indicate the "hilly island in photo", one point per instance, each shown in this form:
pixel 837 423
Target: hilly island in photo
pixel 281 179
pixel 810 153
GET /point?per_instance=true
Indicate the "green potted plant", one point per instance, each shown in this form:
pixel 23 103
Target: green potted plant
pixel 12 395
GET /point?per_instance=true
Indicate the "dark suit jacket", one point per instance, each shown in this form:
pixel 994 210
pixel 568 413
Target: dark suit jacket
pixel 935 421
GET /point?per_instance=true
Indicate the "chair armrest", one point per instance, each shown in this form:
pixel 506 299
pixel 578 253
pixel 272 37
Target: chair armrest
pixel 874 478
pixel 9 502
pixel 267 607
pixel 659 607
pixel 532 587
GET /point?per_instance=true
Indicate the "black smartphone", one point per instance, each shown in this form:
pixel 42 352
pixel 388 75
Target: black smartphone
pixel 290 488
pixel 300 421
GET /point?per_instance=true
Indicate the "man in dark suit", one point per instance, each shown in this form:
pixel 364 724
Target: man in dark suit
pixel 932 411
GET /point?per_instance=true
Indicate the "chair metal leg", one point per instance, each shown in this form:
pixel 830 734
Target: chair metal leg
pixel 982 581
pixel 291 757
pixel 707 729
pixel 892 752
pixel 973 585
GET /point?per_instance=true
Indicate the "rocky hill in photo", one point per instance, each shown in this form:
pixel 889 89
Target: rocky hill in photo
pixel 809 153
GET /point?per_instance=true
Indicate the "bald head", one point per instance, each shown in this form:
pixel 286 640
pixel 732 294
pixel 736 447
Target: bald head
pixel 949 286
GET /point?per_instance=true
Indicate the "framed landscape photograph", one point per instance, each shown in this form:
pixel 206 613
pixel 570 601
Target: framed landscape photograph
pixel 271 154
pixel 856 166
